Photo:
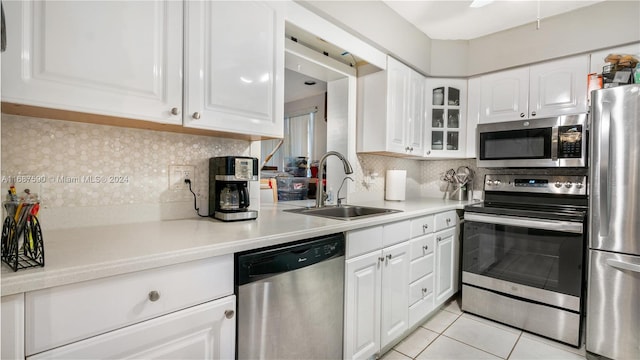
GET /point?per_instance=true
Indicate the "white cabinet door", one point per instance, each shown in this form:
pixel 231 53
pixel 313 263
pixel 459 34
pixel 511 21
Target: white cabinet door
pixel 12 331
pixel 558 87
pixel 117 58
pixel 395 292
pixel 391 116
pixel 398 77
pixel 416 116
pixel 473 114
pixel 362 306
pixel 446 271
pixel 234 66
pixel 445 135
pixel 505 96
pixel 202 332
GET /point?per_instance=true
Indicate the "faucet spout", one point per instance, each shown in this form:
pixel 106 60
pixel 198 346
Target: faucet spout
pixel 320 193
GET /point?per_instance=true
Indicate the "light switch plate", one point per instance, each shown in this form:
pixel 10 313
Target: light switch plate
pixel 177 174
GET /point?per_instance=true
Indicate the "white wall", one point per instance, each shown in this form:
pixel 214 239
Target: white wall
pixel 607 24
pixel 375 23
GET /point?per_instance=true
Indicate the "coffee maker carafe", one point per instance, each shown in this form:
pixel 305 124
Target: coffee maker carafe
pixel 229 178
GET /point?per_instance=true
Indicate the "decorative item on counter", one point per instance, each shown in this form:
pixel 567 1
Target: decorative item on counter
pixel 459 183
pixel 618 69
pixel 21 242
pixel 395 185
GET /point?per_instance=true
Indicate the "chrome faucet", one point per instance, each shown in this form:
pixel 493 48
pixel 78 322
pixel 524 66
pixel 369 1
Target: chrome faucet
pixel 321 195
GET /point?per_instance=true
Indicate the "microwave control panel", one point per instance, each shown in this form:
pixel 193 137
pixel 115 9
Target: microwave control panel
pixel 570 141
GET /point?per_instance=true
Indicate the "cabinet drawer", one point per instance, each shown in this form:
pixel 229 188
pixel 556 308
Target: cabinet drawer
pixel 360 242
pixel 199 332
pixel 421 246
pixel 64 314
pixel 395 233
pixel 421 226
pixel 421 267
pixel 421 289
pixel 445 220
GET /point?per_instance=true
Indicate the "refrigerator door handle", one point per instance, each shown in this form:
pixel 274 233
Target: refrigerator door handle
pixel 605 149
pixel 623 265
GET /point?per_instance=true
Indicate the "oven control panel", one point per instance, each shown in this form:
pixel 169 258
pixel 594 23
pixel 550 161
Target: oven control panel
pixel 549 184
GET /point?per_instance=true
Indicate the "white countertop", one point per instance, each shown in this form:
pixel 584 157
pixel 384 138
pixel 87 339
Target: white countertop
pixel 74 255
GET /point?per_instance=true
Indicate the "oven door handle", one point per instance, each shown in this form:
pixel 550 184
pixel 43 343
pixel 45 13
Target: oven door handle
pixel 542 224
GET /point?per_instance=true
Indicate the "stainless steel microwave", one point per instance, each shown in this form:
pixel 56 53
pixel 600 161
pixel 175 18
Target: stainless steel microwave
pixel 537 143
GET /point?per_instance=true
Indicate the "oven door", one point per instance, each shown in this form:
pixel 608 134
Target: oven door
pixel 530 258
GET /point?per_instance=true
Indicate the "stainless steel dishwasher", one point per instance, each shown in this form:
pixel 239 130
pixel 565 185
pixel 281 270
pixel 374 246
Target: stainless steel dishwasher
pixel 291 300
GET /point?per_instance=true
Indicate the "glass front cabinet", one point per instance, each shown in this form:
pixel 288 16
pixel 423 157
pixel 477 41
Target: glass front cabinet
pixel 446 118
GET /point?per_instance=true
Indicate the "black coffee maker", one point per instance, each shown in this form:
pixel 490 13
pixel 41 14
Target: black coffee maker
pixel 229 178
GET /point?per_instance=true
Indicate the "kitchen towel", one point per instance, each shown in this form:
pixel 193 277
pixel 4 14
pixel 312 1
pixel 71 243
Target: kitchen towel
pixel 396 184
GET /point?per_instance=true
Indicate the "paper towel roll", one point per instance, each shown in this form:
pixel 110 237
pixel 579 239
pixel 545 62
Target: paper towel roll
pixel 396 184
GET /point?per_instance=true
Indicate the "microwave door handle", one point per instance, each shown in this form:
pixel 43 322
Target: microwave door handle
pixel 554 143
pixel 541 224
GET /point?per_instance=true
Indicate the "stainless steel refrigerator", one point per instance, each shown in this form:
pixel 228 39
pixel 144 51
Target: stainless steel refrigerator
pixel 613 300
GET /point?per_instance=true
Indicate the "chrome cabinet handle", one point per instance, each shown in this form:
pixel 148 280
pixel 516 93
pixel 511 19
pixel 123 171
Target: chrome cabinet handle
pixel 533 113
pixel 521 115
pixel 448 221
pixel 229 314
pixel 428 152
pixel 154 296
pixel 175 111
pixel 439 238
pixel 381 258
pixel 196 115
pixel 425 227
pixel 426 247
pixel 389 257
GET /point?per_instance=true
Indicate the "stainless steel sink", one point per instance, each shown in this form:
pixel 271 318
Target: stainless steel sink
pixel 344 212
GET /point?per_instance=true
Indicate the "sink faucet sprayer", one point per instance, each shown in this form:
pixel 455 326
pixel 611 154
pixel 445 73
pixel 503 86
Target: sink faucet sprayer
pixel 341 185
pixel 320 193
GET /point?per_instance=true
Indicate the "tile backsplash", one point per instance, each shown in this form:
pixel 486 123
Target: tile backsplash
pixel 88 174
pixel 113 173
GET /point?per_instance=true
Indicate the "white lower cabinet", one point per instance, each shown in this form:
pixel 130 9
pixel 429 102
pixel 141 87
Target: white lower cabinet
pixel 446 264
pixel 395 292
pixel 396 275
pixel 447 250
pixel 177 311
pixel 205 331
pixel 377 291
pixel 12 332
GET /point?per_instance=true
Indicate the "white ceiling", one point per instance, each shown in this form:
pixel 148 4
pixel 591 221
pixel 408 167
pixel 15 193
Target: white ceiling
pixel 295 89
pixel 456 20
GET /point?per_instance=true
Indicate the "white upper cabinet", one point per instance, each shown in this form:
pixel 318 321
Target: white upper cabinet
pixel 234 66
pixel 558 87
pixel 446 113
pixel 552 88
pixel 504 95
pixel 117 58
pixel 391 116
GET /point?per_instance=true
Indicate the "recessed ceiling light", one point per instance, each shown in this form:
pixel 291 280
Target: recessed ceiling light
pixel 309 82
pixel 480 3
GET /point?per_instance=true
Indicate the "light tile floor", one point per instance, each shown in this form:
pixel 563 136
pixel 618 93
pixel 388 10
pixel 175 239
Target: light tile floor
pixel 451 334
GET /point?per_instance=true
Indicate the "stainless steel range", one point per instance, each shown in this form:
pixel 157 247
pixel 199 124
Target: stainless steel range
pixel 524 254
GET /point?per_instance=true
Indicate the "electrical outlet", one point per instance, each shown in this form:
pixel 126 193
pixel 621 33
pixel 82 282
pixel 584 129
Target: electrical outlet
pixel 177 175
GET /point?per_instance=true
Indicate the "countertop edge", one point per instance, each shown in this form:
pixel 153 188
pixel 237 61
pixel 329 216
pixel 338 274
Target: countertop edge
pixel 42 278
